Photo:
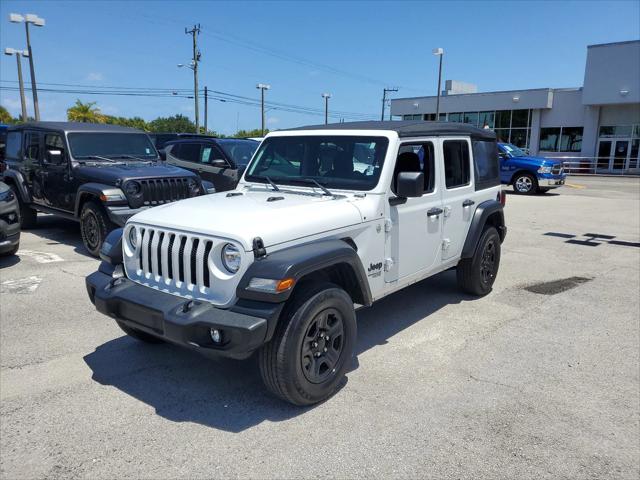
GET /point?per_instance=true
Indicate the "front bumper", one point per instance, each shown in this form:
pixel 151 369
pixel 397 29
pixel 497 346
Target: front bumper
pixel 550 180
pixel 9 226
pixel 180 320
pixel 120 214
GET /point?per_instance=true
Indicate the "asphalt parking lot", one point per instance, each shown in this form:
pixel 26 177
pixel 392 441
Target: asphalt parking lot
pixel 530 381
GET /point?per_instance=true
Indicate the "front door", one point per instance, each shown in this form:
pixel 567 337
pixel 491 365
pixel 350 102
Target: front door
pixel 32 153
pixel 620 151
pixel 604 154
pixel 59 191
pixel 457 195
pixel 415 233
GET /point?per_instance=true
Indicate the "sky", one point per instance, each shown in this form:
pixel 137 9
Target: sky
pixel 351 50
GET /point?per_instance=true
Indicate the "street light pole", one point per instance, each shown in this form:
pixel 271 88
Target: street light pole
pixel 384 100
pixel 440 53
pixel 194 32
pixel 18 54
pixel 262 87
pixel 326 97
pixel 38 22
pixel 206 109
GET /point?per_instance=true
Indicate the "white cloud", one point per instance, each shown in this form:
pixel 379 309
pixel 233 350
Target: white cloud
pixel 95 77
pixel 273 120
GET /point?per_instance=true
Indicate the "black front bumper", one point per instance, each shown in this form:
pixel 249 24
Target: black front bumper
pixel 9 226
pixel 181 321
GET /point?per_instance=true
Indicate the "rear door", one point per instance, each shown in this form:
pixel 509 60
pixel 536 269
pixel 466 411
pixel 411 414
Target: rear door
pixel 216 168
pixel 458 194
pixel 414 235
pixel 185 155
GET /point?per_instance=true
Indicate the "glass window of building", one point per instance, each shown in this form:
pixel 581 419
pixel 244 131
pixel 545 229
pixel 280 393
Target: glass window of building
pixel 487 118
pixel 502 134
pixel 570 139
pixel 503 119
pixel 520 119
pixel 471 117
pixel 519 137
pixel 549 139
pixel 455 117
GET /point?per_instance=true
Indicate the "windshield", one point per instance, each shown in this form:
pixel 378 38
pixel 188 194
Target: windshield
pixel 512 150
pixel 111 145
pixel 240 151
pixel 342 162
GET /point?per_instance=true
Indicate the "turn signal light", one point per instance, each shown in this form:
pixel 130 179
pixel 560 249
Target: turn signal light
pixel 284 284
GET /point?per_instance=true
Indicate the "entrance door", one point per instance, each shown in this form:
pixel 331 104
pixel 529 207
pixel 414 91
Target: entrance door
pixel 415 237
pixel 604 154
pixel 620 152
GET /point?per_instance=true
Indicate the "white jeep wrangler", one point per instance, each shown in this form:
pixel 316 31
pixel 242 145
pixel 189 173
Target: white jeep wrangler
pixel 325 220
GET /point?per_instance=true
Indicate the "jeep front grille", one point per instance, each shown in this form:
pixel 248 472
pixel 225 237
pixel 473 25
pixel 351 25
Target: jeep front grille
pixel 556 169
pixel 157 191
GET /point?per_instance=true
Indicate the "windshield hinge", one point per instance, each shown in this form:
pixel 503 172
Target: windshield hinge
pixel 388 225
pixel 259 251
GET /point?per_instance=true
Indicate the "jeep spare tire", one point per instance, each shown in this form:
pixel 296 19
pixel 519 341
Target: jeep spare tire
pixel 94 227
pixel 312 346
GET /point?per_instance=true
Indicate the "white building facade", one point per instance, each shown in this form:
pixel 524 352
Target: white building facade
pixel 596 127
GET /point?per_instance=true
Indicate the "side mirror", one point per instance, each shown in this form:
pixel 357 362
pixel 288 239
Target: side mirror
pixel 219 162
pixel 503 156
pixel 410 184
pixel 54 157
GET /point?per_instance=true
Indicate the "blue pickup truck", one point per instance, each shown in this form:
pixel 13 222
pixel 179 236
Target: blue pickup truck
pixel 528 174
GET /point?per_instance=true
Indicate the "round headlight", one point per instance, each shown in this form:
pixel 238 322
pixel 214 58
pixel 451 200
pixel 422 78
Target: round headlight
pixel 194 187
pixel 133 238
pixel 132 188
pixel 231 257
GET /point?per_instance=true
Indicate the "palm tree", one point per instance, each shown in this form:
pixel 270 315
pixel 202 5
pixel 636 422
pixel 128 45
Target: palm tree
pixel 5 116
pixel 84 112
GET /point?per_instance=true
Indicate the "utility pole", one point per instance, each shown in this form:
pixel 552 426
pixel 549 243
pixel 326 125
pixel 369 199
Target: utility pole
pixel 439 52
pixel 326 97
pixel 38 22
pixel 206 109
pixel 18 54
pixel 262 87
pixel 194 32
pixel 384 100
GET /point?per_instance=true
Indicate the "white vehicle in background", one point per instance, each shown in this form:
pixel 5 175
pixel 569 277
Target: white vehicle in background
pixel 325 220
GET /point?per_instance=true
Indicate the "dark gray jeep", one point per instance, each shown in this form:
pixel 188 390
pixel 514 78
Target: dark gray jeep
pixel 99 175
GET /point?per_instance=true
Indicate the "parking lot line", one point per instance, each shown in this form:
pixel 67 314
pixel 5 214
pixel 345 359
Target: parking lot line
pixel 575 185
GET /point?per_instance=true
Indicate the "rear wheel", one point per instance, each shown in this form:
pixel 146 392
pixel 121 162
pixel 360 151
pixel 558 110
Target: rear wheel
pixel 313 344
pixel 476 275
pixel 138 335
pixel 525 183
pixel 94 227
pixel 28 216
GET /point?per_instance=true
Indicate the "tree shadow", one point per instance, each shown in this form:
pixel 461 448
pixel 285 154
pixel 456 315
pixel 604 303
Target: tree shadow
pixel 183 386
pixel 58 230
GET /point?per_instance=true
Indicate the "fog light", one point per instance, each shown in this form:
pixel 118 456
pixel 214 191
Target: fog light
pixel 216 335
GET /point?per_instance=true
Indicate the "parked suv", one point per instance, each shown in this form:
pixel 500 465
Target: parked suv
pixel 325 220
pixel 529 174
pixel 99 175
pixel 9 221
pixel 220 161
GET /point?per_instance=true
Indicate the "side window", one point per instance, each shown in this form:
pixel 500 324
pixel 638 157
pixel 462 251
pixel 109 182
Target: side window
pixel 485 164
pixel 14 142
pixel 406 162
pixel 53 141
pixel 209 154
pixel 457 171
pixel 189 152
pixel 32 146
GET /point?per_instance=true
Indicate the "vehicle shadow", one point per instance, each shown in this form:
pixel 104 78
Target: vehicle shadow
pixel 9 260
pixel 544 194
pixel 58 230
pixel 183 386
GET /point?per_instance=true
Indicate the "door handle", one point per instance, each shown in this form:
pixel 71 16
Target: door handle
pixel 434 212
pixel 468 203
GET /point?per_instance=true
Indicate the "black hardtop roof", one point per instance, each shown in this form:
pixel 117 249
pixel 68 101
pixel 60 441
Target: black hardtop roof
pixel 203 138
pixel 76 127
pixel 410 128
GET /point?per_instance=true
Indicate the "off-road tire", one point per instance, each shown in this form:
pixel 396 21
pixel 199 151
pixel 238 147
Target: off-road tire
pixel 94 227
pixel 525 179
pixel 476 275
pixel 287 362
pixel 139 335
pixel 28 216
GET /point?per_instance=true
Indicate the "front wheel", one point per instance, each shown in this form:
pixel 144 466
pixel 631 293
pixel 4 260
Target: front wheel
pixel 476 275
pixel 525 184
pixel 313 344
pixel 94 227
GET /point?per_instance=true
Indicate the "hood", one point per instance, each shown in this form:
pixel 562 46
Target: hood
pixel 110 173
pixel 252 214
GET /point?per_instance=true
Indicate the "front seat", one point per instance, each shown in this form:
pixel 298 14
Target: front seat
pixel 406 162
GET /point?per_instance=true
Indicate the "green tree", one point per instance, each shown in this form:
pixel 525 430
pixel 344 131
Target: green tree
pixel 256 132
pixel 175 124
pixel 134 122
pixel 5 116
pixel 85 112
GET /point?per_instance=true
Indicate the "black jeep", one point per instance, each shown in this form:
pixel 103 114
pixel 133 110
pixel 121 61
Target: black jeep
pixel 99 175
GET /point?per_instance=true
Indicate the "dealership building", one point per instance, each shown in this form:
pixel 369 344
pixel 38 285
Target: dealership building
pixel 596 126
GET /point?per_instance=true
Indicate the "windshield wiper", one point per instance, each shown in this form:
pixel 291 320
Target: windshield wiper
pixel 272 183
pixel 318 184
pixel 95 157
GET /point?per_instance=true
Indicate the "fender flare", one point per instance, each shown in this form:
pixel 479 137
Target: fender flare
pixel 16 179
pixel 301 260
pixel 485 210
pixel 96 190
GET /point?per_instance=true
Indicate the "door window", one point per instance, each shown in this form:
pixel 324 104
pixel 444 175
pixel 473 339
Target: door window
pixel 14 142
pixel 604 152
pixel 209 154
pixel 53 141
pixel 620 155
pixel 457 170
pixel 425 154
pixel 189 152
pixel 32 146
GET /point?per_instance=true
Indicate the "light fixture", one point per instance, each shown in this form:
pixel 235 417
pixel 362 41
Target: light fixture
pixel 516 98
pixel 624 92
pixel 438 51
